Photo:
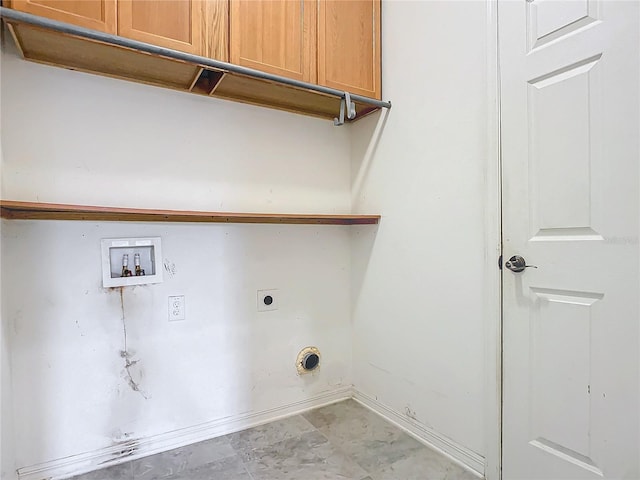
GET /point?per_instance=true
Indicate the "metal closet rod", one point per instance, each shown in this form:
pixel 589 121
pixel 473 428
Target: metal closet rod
pixel 61 27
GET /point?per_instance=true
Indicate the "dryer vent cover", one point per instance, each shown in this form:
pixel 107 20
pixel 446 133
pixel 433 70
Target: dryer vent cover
pixel 308 360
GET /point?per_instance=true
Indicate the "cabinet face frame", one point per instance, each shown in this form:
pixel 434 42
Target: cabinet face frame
pixel 196 14
pixel 329 41
pixel 215 29
pixel 107 24
pixel 307 71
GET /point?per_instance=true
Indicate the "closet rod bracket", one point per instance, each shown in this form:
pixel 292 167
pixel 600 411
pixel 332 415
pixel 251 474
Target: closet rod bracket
pixel 349 106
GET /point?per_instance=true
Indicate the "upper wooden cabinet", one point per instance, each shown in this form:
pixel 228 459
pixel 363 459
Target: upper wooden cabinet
pixel 95 14
pixel 349 54
pixel 334 43
pixel 175 24
pixel 275 36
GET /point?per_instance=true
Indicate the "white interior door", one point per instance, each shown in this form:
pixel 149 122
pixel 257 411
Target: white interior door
pixel 569 118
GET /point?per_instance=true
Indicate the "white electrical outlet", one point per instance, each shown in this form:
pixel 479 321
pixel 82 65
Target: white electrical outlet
pixel 267 300
pixel 176 308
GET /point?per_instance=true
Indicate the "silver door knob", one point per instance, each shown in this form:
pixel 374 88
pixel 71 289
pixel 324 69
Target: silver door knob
pixel 517 264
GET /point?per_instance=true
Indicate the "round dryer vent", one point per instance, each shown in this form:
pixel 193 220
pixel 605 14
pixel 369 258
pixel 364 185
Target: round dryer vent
pixel 308 360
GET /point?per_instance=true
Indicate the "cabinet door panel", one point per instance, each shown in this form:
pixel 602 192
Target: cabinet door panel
pixel 174 24
pixel 95 14
pixel 275 36
pixel 349 46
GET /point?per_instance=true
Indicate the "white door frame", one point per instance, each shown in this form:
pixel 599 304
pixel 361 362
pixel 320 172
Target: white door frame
pixel 492 283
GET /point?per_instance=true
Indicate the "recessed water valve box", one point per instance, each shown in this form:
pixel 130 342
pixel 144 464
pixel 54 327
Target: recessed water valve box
pixel 131 261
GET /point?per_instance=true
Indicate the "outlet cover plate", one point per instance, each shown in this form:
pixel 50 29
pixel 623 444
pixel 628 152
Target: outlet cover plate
pixel 263 300
pixel 176 308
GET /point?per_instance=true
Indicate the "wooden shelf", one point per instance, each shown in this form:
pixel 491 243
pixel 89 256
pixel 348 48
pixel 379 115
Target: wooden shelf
pixel 77 51
pixel 52 211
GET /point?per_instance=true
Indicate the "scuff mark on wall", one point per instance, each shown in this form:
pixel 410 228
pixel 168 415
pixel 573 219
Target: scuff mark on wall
pixel 127 355
pixel 126 447
pixel 79 329
pixel 409 381
pixel 15 321
pixel 169 267
pixel 336 383
pixel 409 412
pixel 377 367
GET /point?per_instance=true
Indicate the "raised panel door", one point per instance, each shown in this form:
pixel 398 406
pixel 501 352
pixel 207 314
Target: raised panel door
pixel 175 24
pixel 94 14
pixel 349 54
pixel 569 123
pixel 275 36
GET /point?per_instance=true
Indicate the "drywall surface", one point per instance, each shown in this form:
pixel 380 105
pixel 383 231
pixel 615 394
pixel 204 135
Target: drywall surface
pixel 70 137
pixel 7 451
pixel 72 390
pixel 417 281
pixel 7 461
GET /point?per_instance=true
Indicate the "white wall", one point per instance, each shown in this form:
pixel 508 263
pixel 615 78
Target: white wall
pixel 417 281
pixel 69 382
pixel 79 138
pixel 7 445
pixel 7 460
pixel 411 286
pixel 75 138
pixel 7 450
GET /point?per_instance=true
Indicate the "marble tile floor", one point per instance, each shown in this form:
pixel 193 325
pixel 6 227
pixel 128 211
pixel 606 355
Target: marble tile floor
pixel 340 441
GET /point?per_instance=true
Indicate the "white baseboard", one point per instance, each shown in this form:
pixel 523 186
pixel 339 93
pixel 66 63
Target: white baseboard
pixel 461 455
pixel 113 455
pixel 138 448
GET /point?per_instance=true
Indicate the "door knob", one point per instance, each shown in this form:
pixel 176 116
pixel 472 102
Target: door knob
pixel 517 264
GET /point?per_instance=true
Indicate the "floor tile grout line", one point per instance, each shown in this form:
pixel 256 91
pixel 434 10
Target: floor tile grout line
pixel 341 450
pixel 240 451
pixel 325 435
pixel 338 447
pixel 370 473
pixel 180 472
pixel 246 468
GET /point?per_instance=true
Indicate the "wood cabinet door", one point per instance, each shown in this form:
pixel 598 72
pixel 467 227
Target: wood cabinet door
pixel 275 36
pixel 95 14
pixel 175 24
pixel 349 54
